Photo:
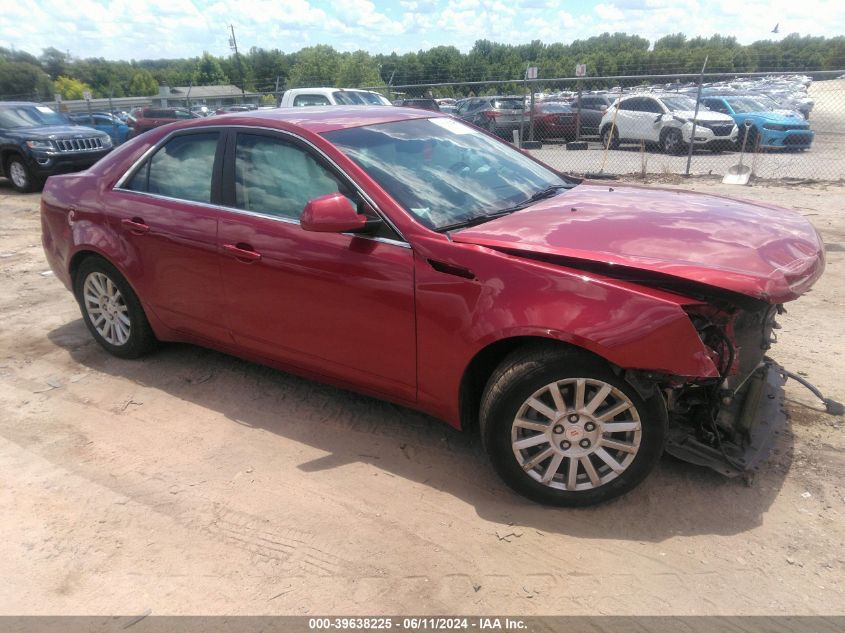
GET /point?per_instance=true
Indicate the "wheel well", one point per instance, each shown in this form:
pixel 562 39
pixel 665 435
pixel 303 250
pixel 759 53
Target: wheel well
pixel 482 366
pixel 77 260
pixel 5 155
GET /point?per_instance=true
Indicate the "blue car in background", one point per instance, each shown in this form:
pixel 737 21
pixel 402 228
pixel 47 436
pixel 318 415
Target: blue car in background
pixel 768 130
pixel 105 122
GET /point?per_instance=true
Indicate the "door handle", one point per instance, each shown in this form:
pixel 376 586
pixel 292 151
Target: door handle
pixel 135 225
pixel 242 252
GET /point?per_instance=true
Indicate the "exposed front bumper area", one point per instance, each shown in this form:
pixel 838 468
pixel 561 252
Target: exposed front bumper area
pixel 708 138
pixel 49 163
pixel 754 418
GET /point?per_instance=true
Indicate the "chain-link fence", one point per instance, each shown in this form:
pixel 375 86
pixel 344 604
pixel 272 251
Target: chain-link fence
pixel 791 126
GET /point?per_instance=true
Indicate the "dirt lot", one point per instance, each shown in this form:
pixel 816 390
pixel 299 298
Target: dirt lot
pixel 191 482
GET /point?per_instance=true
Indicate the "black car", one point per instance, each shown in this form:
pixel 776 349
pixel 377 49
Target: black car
pixel 592 111
pixel 37 142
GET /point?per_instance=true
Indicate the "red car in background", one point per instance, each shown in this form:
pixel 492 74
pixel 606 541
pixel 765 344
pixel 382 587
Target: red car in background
pixel 579 327
pixel 553 119
pixel 144 119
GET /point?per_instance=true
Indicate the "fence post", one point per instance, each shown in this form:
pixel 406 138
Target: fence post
pixel 695 116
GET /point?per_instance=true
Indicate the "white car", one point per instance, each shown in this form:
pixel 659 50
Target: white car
pixel 301 97
pixel 666 120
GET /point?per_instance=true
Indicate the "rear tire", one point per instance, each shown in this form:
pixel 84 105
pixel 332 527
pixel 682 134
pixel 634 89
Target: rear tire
pixel 610 140
pixel 596 439
pixel 111 310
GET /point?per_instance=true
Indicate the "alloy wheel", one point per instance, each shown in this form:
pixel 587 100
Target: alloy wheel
pixel 106 309
pixel 576 434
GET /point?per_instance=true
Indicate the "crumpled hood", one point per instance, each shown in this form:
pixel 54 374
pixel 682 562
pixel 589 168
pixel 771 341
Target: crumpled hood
pixel 754 249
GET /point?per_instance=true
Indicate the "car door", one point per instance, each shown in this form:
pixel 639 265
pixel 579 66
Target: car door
pixel 339 305
pixel 651 121
pixel 627 123
pixel 164 210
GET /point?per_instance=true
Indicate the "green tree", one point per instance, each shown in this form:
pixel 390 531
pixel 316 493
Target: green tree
pixel 315 66
pixel 358 70
pixel 54 62
pixel 142 84
pixel 70 88
pixel 209 72
pixel 23 80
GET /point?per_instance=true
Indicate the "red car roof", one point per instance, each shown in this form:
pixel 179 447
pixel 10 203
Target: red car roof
pixel 325 119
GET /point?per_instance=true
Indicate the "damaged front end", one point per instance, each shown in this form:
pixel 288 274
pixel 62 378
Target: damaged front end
pixel 730 423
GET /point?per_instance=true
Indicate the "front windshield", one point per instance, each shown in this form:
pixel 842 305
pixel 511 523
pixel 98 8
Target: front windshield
pixel 678 103
pixel 23 116
pixel 742 105
pixel 442 171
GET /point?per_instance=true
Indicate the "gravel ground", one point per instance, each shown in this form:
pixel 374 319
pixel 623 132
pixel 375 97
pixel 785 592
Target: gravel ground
pixel 192 483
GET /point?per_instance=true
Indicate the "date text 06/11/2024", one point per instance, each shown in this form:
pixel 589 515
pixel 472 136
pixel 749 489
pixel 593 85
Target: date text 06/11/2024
pixel 416 623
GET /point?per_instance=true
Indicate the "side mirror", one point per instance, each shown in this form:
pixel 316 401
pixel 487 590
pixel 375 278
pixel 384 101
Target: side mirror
pixel 332 213
pixel 658 118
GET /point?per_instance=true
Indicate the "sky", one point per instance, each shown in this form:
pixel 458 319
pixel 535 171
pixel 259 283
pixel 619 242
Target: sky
pixel 153 29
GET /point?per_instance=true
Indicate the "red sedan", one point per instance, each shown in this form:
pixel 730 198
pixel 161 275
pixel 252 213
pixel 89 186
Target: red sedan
pixel 554 120
pixel 580 328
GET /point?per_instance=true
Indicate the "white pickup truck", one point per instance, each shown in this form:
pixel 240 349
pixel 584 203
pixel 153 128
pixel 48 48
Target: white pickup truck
pixel 299 97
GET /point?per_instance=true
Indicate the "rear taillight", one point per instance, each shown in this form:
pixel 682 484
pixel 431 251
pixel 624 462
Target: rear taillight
pixel 491 114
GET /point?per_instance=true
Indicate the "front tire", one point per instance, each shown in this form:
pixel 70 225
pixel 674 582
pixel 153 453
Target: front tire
pixel 111 310
pixel 562 429
pixel 672 141
pixel 21 175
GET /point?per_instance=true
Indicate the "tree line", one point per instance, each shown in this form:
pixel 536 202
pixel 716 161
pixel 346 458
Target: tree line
pixel 26 76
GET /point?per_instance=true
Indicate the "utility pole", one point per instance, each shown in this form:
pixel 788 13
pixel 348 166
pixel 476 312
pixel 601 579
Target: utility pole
pixel 233 44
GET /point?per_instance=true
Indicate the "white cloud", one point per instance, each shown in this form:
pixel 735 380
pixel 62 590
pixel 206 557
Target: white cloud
pixel 126 29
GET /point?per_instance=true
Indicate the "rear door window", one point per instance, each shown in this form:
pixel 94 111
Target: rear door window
pixel 181 169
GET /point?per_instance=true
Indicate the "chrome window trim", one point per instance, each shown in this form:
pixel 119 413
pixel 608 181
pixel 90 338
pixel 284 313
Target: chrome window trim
pixel 118 186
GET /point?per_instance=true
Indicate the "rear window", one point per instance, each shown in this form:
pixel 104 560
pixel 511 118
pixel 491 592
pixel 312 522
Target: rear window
pixel 310 100
pixel 508 104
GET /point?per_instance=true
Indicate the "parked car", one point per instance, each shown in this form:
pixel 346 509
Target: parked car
pixel 233 108
pixel 422 104
pixel 554 120
pixel 580 329
pixel 145 119
pixel 593 107
pixel 304 97
pixel 36 142
pixel 201 110
pixel 117 130
pixel 499 115
pixel 666 120
pixel 767 129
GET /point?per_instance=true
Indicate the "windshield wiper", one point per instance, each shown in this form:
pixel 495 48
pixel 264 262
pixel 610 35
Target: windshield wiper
pixel 548 192
pixel 478 219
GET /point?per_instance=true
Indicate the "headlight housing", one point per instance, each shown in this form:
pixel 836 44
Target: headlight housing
pixel 106 140
pixel 39 144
